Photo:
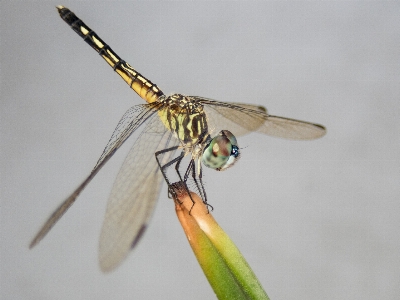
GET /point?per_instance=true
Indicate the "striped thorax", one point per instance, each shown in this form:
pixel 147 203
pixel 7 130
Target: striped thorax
pixel 186 118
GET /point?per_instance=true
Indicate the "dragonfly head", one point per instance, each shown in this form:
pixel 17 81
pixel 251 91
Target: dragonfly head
pixel 221 152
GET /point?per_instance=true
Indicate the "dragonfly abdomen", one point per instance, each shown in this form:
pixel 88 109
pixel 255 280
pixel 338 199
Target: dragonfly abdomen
pixel 140 84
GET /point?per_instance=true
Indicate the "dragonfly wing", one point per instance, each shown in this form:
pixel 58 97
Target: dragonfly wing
pixel 242 118
pixel 291 129
pixel 129 122
pixel 133 195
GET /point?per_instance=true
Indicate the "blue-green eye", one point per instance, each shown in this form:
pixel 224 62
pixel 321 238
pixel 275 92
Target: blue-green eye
pixel 222 152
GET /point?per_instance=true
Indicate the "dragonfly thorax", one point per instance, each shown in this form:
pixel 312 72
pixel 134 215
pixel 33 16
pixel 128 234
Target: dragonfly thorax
pixel 185 117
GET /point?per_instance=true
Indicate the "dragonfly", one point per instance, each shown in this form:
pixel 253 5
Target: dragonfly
pixel 171 124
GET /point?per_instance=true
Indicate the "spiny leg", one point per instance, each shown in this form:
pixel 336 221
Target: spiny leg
pixel 204 190
pixel 197 183
pixel 177 160
pixel 185 178
pixel 168 163
pixel 177 165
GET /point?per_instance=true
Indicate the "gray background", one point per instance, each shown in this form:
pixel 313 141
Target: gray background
pixel 315 220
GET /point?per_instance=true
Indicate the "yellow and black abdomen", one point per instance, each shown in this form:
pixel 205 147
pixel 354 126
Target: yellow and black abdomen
pixel 141 85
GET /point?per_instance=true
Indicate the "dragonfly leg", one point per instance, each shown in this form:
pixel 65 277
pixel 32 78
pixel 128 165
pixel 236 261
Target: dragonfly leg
pixel 176 161
pixel 177 165
pixel 185 178
pixel 200 190
pixel 163 167
pixel 204 190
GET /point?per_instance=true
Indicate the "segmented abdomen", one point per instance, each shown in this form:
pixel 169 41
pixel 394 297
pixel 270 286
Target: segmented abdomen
pixel 140 84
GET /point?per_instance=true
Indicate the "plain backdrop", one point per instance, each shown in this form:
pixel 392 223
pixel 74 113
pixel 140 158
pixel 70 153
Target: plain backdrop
pixel 315 220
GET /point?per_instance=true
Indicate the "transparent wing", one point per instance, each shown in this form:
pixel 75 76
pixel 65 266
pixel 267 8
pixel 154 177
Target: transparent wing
pixel 240 119
pixel 133 195
pixel 129 122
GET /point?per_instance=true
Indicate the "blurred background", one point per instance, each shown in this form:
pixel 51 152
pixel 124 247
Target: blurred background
pixel 315 220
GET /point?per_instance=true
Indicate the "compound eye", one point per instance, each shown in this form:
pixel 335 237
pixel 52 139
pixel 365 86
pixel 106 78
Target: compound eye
pixel 222 152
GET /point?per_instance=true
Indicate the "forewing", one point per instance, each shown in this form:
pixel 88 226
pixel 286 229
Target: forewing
pixel 242 118
pixel 133 195
pixel 129 122
pixel 291 129
pixel 237 118
pixel 133 117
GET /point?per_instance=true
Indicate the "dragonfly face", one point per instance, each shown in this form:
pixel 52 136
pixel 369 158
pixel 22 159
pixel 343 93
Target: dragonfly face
pixel 176 122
